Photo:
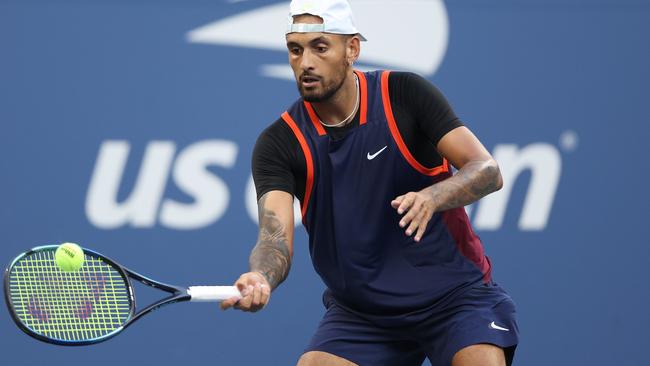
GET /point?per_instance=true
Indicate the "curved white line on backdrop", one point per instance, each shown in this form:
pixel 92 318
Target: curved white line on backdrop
pixel 405 35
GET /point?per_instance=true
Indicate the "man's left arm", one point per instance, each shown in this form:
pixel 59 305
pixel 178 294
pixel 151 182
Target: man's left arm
pixel 478 175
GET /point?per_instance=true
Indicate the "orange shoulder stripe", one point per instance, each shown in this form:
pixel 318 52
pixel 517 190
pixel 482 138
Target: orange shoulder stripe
pixel 314 119
pixel 308 159
pixel 363 91
pixel 398 137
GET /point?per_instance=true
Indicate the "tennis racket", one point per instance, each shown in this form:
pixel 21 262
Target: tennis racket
pixel 86 306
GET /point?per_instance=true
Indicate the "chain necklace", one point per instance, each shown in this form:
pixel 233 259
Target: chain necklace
pixel 354 111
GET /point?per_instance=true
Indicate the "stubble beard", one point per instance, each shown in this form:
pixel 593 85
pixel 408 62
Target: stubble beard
pixel 328 92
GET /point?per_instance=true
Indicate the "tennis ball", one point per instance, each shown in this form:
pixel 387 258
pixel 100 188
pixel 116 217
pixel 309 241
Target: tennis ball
pixel 69 257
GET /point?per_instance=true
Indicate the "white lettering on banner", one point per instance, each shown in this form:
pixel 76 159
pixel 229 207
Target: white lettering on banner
pixel 210 193
pixel 545 163
pixel 141 207
pixel 211 196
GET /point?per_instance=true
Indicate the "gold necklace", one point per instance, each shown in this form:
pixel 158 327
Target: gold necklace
pixel 354 111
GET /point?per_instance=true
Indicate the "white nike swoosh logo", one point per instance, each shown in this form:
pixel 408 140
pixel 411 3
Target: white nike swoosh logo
pixel 494 326
pixel 370 157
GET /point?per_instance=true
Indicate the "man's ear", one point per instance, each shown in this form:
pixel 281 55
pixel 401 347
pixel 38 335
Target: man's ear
pixel 353 49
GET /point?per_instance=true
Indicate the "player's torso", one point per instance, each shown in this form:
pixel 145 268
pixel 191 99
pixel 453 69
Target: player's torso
pixel 356 244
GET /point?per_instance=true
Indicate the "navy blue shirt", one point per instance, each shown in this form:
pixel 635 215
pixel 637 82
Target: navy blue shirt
pixel 356 245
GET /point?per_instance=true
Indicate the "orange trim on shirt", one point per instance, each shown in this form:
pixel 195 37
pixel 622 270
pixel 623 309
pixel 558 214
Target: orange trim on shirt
pixel 398 137
pixel 308 159
pixel 314 119
pixel 363 91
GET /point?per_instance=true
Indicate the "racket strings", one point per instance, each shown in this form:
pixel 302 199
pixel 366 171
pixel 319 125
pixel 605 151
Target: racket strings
pixel 70 306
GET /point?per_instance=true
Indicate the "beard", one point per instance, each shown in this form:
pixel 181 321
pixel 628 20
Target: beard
pixel 328 89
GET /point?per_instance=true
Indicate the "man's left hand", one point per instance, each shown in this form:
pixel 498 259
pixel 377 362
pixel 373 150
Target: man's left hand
pixel 418 208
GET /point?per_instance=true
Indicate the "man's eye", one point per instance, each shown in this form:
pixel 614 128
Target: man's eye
pixel 321 49
pixel 295 50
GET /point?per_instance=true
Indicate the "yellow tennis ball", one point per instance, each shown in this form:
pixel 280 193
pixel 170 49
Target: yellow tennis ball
pixel 69 257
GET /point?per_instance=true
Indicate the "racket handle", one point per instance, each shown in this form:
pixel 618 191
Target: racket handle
pixel 212 293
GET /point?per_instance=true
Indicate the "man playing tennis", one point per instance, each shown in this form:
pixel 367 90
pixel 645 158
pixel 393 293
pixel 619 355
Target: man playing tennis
pixel 368 155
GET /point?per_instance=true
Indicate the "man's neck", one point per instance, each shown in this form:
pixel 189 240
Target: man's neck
pixel 341 104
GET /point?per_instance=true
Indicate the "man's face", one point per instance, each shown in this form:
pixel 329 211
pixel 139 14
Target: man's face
pixel 318 60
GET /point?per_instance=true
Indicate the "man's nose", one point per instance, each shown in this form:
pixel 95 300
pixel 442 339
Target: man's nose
pixel 307 60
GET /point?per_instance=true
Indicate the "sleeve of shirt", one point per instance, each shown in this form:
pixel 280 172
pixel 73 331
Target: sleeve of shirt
pixel 429 107
pixel 271 161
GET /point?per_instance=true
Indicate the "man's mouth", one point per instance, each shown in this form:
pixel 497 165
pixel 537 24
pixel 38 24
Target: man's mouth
pixel 309 81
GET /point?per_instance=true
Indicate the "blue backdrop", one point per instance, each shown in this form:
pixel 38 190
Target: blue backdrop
pixel 128 126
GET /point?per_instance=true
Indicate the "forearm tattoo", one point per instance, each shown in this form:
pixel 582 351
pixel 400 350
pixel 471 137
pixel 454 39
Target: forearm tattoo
pixel 271 255
pixel 472 182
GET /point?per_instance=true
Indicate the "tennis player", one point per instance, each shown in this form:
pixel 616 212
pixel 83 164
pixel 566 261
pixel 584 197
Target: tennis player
pixel 369 156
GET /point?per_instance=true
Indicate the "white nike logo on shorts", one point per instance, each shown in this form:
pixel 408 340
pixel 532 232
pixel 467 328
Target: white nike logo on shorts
pixel 494 326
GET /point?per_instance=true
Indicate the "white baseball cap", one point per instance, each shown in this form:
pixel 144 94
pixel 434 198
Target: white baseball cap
pixel 336 14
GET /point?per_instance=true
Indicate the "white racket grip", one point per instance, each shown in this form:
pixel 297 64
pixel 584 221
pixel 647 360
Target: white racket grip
pixel 212 293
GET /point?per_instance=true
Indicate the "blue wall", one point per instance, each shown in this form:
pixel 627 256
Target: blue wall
pixel 556 89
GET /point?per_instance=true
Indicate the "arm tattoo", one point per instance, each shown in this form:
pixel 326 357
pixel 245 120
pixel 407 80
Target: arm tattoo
pixel 473 181
pixel 271 256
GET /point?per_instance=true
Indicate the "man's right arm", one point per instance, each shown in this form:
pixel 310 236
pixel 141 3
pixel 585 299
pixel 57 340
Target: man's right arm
pixel 274 250
pixel 270 260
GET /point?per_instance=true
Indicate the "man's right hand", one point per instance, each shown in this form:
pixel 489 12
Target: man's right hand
pixel 255 291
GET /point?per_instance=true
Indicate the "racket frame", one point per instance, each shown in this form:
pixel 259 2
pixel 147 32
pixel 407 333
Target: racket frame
pixel 177 294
